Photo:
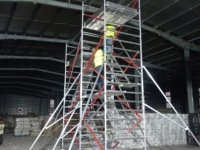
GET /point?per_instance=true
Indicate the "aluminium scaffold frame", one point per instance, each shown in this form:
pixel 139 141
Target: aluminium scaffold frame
pixel 89 116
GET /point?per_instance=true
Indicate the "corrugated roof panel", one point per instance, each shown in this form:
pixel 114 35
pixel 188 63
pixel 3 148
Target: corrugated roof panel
pixel 51 30
pixel 5 8
pixel 36 27
pixel 187 29
pixel 153 6
pixel 3 23
pixel 167 14
pixel 189 3
pixel 45 13
pixel 17 25
pixel 24 10
pixel 180 21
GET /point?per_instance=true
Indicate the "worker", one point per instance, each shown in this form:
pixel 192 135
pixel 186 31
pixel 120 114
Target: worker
pixel 2 126
pixel 98 64
pixel 110 35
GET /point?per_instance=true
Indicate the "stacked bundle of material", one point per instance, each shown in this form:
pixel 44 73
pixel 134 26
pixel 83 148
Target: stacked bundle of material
pixel 27 126
pixel 161 132
pixel 19 126
pixel 35 126
pixel 22 127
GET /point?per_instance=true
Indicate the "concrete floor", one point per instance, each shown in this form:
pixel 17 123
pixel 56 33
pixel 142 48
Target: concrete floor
pixel 23 143
pixel 12 142
pixel 181 147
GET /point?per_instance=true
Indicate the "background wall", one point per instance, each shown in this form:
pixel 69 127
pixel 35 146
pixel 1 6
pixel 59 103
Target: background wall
pixel 30 104
pixel 176 86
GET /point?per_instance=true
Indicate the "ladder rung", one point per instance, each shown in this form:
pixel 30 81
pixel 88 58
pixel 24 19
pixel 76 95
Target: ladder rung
pixel 129 101
pixel 90 42
pixel 91 34
pixel 127 110
pixel 125 138
pixel 115 92
pixel 128 42
pixel 115 119
pixel 122 57
pixel 128 85
pixel 114 65
pixel 128 34
pixel 123 129
pixel 128 50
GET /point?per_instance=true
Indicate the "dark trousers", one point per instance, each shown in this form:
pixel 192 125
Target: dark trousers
pixel 100 82
pixel 109 45
pixel 1 139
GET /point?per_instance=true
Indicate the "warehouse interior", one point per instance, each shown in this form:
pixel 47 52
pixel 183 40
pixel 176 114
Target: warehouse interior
pixel 33 38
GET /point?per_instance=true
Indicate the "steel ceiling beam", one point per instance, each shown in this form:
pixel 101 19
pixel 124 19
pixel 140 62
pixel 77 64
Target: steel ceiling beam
pixel 188 33
pixel 17 91
pixel 33 78
pixel 154 47
pixel 32 69
pixel 54 3
pixel 7 36
pixel 160 10
pixel 153 66
pixel 176 16
pixel 30 84
pixel 158 52
pixel 183 25
pixel 179 42
pixel 194 39
pixel 172 60
pixel 149 40
pixel 148 65
pixel 32 58
pixel 32 38
pixel 173 39
pixel 164 57
pixel 26 89
pixel 60 61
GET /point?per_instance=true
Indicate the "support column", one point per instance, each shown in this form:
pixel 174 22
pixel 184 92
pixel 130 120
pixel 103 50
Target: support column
pixel 40 106
pixel 188 78
pixel 57 99
pixel 137 89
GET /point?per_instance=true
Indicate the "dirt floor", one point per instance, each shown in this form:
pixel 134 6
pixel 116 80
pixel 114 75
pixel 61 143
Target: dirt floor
pixel 45 143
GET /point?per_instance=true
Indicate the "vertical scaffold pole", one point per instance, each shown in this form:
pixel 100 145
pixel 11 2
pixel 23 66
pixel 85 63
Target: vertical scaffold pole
pixel 64 91
pixel 105 76
pixel 81 81
pixel 142 77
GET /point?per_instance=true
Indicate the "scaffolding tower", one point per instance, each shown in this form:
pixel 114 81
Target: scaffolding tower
pixel 111 116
